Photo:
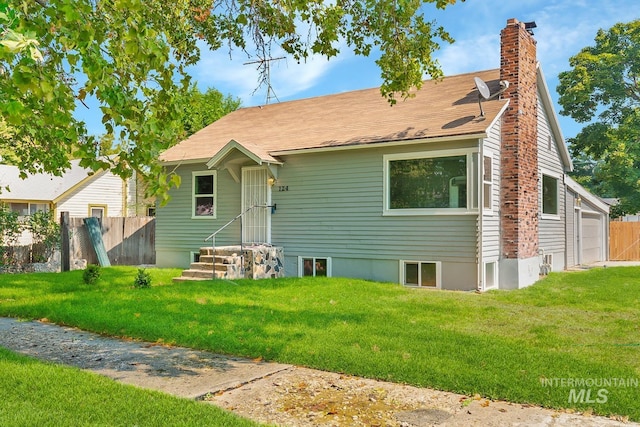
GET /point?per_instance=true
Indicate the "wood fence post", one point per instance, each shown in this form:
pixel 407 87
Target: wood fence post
pixel 65 254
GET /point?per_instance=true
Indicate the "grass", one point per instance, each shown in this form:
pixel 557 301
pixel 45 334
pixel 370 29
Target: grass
pixel 501 345
pixel 43 394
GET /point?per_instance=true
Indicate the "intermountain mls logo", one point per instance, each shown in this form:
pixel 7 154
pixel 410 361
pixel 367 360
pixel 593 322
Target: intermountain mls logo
pixel 589 390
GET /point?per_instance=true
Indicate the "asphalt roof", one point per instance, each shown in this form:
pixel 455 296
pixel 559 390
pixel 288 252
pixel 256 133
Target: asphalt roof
pixel 444 108
pixel 39 187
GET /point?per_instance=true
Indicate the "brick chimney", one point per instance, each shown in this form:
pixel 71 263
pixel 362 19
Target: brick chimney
pixel 519 182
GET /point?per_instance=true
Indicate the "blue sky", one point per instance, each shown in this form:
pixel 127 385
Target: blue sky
pixel 564 27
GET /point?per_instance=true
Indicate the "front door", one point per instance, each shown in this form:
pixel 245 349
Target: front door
pixel 256 194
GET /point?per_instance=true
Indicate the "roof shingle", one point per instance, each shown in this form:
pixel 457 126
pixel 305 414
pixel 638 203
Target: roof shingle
pixel 439 109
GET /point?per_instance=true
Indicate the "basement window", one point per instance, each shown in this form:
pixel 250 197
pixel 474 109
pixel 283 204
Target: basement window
pixel 314 266
pixel 421 274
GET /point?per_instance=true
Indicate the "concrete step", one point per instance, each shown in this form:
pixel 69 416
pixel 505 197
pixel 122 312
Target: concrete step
pixel 208 266
pixel 221 250
pixel 220 259
pixel 202 274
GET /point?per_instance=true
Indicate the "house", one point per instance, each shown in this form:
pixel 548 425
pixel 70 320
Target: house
pixel 446 190
pixel 79 191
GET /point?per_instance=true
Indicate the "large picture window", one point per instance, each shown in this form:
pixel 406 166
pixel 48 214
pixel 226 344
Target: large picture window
pixel 431 182
pixel 549 195
pixel 204 195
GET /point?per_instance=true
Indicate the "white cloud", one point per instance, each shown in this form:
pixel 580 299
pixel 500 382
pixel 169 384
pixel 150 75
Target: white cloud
pixel 239 75
pixel 466 55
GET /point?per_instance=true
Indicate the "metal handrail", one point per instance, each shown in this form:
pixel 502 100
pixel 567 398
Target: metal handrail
pixel 241 214
pixel 212 236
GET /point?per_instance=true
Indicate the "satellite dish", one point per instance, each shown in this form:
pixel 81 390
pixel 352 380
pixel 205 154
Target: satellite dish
pixel 485 93
pixel 482 88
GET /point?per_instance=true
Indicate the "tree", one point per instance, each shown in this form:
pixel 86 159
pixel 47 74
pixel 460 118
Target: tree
pixel 201 109
pixel 603 88
pixel 131 55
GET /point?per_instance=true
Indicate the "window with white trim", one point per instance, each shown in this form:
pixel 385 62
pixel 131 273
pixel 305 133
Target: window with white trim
pixel 98 211
pixel 422 274
pixel 314 266
pixel 490 275
pixel 204 195
pixel 549 195
pixel 24 209
pixel 431 182
pixel 487 183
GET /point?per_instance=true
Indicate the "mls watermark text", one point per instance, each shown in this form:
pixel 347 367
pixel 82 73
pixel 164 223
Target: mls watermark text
pixel 589 390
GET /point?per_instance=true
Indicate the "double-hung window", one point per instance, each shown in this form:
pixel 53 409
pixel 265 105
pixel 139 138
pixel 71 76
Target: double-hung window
pixel 204 195
pixel 487 183
pixel 549 195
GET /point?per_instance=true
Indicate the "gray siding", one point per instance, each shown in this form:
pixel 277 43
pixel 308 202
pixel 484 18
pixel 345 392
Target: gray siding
pixel 551 230
pixel 491 220
pixel 333 207
pixel 177 234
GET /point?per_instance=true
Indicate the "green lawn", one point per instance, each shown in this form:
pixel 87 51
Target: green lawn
pixel 501 345
pixel 43 394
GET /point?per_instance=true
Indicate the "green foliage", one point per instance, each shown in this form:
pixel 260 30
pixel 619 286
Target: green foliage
pixel 131 56
pixel 602 88
pixel 569 325
pixel 91 274
pixel 201 109
pixel 10 231
pixel 45 231
pixel 142 280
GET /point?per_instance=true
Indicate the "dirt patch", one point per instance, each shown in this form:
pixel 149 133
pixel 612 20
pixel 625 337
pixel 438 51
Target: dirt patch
pixel 273 393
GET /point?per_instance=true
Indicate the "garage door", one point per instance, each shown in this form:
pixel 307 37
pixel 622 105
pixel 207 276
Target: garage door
pixel 592 238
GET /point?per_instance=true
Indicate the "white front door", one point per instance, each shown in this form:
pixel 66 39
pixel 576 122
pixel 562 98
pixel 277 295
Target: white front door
pixel 256 194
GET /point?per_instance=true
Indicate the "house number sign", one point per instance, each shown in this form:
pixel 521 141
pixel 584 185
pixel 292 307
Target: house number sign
pixel 283 188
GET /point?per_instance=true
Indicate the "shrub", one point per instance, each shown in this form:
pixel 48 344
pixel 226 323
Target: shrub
pixel 10 230
pixel 143 279
pixel 46 235
pixel 91 274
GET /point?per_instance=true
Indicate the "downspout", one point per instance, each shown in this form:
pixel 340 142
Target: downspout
pixel 480 202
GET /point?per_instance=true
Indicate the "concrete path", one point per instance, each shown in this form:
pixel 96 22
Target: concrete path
pixel 272 392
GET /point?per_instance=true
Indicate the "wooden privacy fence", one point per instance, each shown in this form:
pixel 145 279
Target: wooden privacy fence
pixel 127 240
pixel 624 241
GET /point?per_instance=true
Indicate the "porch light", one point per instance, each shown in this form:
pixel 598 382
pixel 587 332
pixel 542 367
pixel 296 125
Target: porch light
pixel 579 201
pixel 271 181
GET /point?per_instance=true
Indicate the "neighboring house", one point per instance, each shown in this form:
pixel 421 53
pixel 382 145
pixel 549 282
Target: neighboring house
pixel 426 193
pixel 79 191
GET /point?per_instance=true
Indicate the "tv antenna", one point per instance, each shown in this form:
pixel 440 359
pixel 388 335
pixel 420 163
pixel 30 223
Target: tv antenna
pixel 264 65
pixel 485 93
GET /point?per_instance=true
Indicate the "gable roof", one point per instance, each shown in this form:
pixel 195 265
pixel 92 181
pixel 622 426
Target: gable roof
pixel 446 108
pixel 41 186
pixel 545 98
pixel 596 201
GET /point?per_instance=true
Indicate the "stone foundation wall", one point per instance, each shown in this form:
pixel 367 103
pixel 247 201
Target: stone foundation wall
pixel 264 262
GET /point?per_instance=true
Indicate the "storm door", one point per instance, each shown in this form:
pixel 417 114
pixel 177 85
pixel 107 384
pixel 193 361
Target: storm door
pixel 256 194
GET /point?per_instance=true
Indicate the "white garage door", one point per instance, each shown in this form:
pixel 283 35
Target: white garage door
pixel 592 237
